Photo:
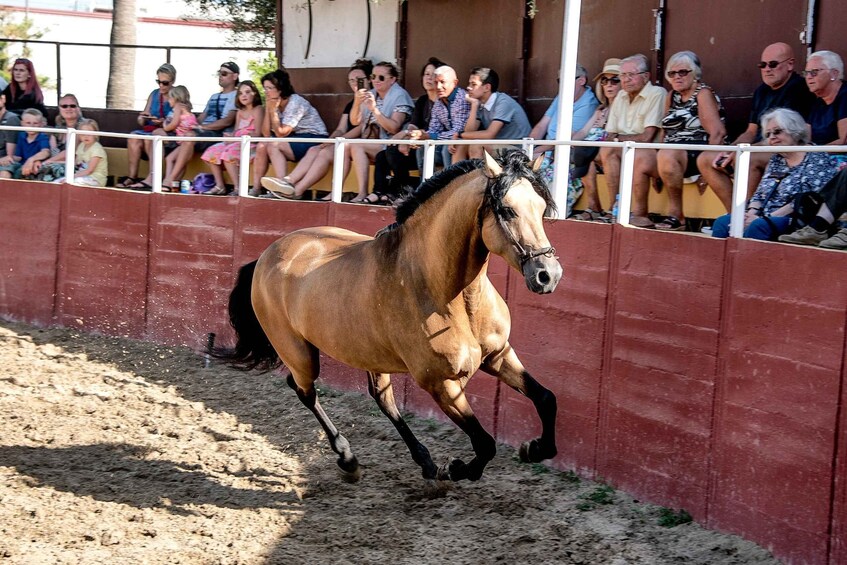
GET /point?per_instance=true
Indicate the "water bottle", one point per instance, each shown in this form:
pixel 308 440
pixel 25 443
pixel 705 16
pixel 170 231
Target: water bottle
pixel 185 186
pixel 615 207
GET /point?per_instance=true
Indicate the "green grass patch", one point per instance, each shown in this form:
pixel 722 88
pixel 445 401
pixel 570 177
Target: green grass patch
pixel 668 518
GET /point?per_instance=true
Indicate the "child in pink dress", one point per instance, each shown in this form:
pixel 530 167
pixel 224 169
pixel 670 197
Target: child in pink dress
pixel 227 154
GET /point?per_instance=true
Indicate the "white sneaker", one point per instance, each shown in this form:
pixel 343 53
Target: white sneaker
pixel 278 185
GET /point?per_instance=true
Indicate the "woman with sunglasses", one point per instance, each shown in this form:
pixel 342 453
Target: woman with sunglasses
pixel 382 113
pixel 787 174
pixel 152 117
pixel 607 84
pixel 693 114
pixel 24 91
pixel 69 116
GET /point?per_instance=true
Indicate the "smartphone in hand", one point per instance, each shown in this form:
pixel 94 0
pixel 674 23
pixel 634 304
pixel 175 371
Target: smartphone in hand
pixel 360 83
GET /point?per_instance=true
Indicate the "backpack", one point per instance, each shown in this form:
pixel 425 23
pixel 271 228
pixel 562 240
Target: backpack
pixel 203 182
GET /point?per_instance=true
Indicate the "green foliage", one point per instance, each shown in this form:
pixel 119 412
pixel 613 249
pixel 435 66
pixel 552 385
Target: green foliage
pixel 260 67
pixel 12 29
pixel 252 20
pixel 668 518
pixel 603 494
pixel 570 477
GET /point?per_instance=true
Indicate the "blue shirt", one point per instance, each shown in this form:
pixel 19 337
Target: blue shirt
pixel 583 109
pixel 824 117
pixel 26 149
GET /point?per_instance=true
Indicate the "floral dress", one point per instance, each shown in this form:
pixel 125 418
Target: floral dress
pixel 230 151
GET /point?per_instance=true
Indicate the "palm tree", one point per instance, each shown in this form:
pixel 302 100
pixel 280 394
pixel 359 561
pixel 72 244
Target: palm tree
pixel 120 92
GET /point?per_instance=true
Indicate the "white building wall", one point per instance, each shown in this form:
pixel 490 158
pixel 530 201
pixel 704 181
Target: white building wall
pixel 85 70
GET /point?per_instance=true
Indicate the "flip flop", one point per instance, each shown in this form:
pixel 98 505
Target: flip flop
pixel 141 185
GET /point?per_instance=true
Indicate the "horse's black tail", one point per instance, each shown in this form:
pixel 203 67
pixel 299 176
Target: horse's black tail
pixel 253 349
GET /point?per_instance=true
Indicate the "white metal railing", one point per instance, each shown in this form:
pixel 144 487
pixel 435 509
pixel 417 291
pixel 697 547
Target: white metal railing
pixel 739 190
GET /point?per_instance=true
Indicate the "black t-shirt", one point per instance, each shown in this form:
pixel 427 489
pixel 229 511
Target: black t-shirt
pixel 794 95
pixel 347 109
pixel 824 117
pixel 422 112
pixel 23 102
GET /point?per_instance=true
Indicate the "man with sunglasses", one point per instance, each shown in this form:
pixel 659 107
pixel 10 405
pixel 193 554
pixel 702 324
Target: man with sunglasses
pixel 217 118
pixel 781 88
pixel 636 115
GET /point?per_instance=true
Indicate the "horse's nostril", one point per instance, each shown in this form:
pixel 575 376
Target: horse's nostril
pixel 543 277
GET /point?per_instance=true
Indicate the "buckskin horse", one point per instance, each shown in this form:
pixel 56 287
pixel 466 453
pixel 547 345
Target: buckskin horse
pixel 414 299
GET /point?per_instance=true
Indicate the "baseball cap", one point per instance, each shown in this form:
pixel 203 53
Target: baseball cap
pixel 231 66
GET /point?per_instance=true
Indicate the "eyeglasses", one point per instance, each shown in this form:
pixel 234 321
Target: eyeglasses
pixel 771 64
pixel 163 82
pixel 606 80
pixel 629 76
pixel 224 73
pixel 812 72
pixel 66 106
pixel 773 132
pixel 380 78
pixel 682 73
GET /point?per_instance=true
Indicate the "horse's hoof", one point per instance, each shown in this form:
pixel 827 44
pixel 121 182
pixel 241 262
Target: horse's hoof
pixel 454 470
pixel 532 452
pixel 350 470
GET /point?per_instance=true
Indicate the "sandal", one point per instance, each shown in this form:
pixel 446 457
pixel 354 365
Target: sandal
pixel 671 224
pixel 641 222
pixel 378 198
pixel 125 182
pixel 140 185
pixel 587 215
pixel 217 191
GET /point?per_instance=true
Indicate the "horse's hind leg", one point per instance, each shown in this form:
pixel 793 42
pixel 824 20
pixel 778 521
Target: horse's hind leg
pixel 506 366
pixel 379 386
pixel 450 396
pixel 302 380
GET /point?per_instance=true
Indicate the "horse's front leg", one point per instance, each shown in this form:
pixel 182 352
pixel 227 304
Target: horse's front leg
pixel 379 386
pixel 450 396
pixel 506 366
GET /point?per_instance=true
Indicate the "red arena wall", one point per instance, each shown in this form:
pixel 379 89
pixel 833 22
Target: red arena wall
pixel 692 372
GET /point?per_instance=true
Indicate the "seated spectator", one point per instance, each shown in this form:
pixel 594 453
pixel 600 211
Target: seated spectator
pixel 834 194
pixel 398 160
pixel 8 140
pixel 227 154
pixel 493 114
pixel 319 158
pixel 449 114
pixel 92 163
pixel 585 104
pixel 24 91
pixel 692 115
pixel 382 113
pixel 32 147
pixel 781 88
pixel 635 115
pixel 69 116
pixel 216 119
pixel 287 114
pixel 828 117
pixel 607 84
pixel 151 118
pixel 787 174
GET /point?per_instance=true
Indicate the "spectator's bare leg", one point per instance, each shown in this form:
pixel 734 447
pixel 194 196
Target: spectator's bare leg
pixel 468 152
pixel 181 156
pixel 260 167
pixel 589 183
pixel 217 172
pixel 611 159
pixel 232 170
pixel 645 169
pixel 279 154
pixel 671 164
pixel 320 165
pixel 361 165
pixel 303 166
pixel 715 177
pixel 133 155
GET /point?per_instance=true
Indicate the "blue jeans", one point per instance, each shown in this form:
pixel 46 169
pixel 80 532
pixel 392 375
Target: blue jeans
pixel 758 228
pixel 442 157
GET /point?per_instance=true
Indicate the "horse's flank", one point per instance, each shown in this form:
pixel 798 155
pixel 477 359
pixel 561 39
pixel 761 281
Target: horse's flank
pixel 416 295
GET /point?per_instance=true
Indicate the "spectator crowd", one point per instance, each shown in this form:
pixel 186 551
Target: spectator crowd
pixel 793 196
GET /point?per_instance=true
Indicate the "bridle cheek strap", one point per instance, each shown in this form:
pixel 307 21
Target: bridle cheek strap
pixel 524 254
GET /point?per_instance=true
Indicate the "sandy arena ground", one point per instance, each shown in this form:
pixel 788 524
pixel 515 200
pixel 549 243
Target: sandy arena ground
pixel 118 451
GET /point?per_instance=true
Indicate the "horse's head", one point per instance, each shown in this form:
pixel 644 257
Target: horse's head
pixel 512 217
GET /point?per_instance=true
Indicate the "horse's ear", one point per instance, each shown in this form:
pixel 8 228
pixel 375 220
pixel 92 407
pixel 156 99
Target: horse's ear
pixel 536 165
pixel 492 167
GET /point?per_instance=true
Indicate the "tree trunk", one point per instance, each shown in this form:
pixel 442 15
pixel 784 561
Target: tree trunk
pixel 120 92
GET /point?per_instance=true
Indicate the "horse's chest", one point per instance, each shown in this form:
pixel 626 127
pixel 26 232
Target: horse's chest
pixel 452 346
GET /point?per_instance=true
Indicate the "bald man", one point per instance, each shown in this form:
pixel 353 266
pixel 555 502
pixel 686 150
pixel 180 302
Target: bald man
pixel 781 88
pixel 449 113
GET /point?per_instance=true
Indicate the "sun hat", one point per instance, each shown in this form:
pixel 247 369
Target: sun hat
pixel 610 67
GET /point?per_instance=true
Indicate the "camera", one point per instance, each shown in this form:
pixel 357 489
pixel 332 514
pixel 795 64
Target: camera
pixel 360 83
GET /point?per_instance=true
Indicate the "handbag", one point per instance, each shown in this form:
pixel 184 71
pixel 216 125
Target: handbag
pixel 203 182
pixel 806 206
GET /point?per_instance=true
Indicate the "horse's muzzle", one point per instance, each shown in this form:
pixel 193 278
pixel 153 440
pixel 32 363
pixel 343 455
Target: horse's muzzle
pixel 542 274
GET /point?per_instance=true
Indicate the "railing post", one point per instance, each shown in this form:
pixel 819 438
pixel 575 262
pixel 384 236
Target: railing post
pixel 338 169
pixel 58 71
pixel 156 163
pixel 527 146
pixel 739 190
pixel 429 158
pixel 625 187
pixel 244 170
pixel 70 155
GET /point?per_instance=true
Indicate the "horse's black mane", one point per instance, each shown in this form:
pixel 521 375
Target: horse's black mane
pixel 516 165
